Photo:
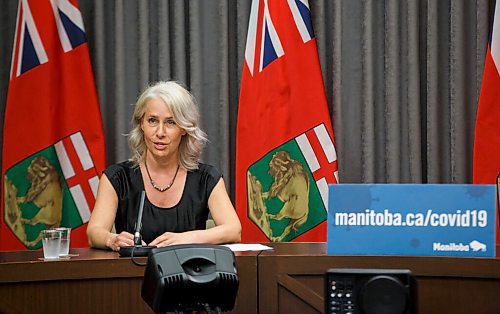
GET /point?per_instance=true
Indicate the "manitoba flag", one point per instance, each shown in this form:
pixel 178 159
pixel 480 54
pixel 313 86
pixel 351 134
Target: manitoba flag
pixel 285 152
pixel 487 132
pixel 53 144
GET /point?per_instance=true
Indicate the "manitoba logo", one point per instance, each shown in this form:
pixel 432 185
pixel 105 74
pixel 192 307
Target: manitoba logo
pixel 287 188
pixel 53 187
pixel 474 245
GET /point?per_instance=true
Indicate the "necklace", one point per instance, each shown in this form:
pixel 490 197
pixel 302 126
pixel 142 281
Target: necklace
pixel 156 187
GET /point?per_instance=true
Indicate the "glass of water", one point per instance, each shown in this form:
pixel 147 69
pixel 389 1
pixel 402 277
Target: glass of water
pixel 65 236
pixel 51 241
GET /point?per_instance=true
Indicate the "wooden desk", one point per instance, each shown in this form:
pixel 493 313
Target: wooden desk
pixel 291 279
pixel 96 281
pixel 288 279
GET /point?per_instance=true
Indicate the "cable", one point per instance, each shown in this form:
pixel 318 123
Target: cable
pixel 134 260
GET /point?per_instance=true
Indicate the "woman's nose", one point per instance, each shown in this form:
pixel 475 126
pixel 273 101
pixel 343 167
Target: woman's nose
pixel 160 131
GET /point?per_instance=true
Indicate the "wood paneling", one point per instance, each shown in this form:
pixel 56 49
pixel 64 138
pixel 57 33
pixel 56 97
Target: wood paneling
pixel 94 281
pixel 292 277
pixel 288 279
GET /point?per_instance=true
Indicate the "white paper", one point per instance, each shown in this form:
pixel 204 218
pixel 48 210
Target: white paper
pixel 239 247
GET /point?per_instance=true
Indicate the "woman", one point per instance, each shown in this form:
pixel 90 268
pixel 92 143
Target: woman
pixel 166 144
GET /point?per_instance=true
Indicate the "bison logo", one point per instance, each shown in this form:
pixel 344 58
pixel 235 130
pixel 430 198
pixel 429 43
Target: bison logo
pixel 45 192
pixel 290 185
pixel 284 199
pixel 477 246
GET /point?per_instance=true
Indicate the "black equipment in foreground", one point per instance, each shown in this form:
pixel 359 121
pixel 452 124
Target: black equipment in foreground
pixel 190 277
pixel 137 249
pixel 370 291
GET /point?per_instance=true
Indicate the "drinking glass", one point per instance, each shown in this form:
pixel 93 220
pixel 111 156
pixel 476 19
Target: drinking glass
pixel 65 237
pixel 51 242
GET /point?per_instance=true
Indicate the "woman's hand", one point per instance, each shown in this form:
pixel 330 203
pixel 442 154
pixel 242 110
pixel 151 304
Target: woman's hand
pixel 171 238
pixel 116 241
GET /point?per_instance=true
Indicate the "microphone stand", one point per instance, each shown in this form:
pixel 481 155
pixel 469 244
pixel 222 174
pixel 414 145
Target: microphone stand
pixel 137 249
pixel 138 224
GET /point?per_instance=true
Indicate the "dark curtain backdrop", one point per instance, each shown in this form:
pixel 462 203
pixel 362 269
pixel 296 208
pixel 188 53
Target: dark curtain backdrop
pixel 402 77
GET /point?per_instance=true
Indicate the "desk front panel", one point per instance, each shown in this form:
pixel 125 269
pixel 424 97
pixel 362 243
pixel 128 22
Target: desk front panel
pixel 95 281
pixel 291 279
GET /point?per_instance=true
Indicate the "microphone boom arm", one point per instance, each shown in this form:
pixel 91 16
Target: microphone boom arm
pixel 138 226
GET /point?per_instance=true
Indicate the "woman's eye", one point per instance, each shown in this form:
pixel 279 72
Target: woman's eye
pixel 152 121
pixel 170 122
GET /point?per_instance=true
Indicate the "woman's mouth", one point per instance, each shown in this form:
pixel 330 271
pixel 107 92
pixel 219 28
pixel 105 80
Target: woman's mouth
pixel 160 146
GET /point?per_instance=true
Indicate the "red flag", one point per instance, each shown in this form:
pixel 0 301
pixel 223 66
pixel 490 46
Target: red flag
pixel 53 143
pixel 487 132
pixel 285 153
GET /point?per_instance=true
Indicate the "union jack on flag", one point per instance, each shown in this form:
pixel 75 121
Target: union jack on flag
pixel 271 47
pixel 29 50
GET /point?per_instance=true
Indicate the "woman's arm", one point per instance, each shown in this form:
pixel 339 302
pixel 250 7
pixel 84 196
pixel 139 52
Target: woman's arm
pixel 103 217
pixel 227 224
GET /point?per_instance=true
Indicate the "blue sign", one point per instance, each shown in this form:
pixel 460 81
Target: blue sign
pixel 412 219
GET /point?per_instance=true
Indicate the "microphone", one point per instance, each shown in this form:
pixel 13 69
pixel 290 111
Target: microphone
pixel 137 249
pixel 138 224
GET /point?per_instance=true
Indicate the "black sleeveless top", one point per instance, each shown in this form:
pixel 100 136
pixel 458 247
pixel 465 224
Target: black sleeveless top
pixel 190 213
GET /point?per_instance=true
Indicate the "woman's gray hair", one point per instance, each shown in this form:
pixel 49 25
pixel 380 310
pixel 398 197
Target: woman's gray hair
pixel 185 114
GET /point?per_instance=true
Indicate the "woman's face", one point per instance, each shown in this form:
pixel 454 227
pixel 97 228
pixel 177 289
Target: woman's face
pixel 161 134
